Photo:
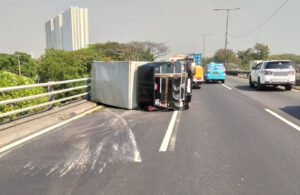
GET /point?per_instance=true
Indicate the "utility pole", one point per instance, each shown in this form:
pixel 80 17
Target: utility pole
pixel 19 64
pixel 203 50
pixel 226 33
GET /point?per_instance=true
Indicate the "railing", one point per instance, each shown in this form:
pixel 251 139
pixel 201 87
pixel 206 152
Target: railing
pixel 241 73
pixel 238 73
pixel 50 94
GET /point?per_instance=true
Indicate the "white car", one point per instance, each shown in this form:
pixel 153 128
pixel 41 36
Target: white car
pixel 273 73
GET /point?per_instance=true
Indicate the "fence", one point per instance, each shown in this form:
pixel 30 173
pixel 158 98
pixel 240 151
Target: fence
pixel 50 94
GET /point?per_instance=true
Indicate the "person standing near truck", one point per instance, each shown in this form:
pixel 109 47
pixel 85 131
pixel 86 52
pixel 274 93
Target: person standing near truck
pixel 189 84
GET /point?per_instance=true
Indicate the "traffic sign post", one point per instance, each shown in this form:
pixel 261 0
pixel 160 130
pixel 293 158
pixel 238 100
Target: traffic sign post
pixel 197 57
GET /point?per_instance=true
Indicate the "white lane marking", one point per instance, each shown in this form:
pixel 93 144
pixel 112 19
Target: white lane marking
pixel 226 86
pixel 174 134
pixel 25 139
pixel 283 119
pixel 166 140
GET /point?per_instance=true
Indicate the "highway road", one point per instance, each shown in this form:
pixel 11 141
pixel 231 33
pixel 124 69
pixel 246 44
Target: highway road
pixel 233 140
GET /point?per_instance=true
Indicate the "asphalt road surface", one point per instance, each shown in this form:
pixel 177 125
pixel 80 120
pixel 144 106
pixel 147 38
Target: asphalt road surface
pixel 227 143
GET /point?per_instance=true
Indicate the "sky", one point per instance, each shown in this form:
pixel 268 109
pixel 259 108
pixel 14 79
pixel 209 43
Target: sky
pixel 177 23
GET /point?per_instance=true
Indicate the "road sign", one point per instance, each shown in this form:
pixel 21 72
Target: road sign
pixel 197 57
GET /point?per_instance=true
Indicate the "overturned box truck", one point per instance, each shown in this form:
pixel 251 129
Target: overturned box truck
pixel 145 85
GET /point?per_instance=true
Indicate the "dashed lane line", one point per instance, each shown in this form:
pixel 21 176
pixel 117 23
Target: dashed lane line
pixel 226 87
pixel 174 134
pixel 166 140
pixel 283 119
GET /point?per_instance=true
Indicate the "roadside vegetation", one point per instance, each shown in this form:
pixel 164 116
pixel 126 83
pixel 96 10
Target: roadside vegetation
pixel 10 79
pixel 241 59
pixel 58 65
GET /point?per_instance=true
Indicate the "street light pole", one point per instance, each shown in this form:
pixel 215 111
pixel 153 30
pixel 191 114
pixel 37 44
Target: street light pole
pixel 203 50
pixel 226 33
pixel 19 64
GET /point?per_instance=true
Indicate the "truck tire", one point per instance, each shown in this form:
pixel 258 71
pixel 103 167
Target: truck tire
pixel 288 87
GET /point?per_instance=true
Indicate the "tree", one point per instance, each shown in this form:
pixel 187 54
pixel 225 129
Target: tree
pixel 112 50
pixel 156 49
pixel 261 51
pixel 141 51
pixel 230 56
pixel 245 56
pixel 58 65
pixel 258 52
pixel 10 63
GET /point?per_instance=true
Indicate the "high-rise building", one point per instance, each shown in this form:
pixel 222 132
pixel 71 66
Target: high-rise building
pixel 69 30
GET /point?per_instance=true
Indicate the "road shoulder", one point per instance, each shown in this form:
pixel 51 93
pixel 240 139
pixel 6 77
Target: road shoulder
pixel 15 130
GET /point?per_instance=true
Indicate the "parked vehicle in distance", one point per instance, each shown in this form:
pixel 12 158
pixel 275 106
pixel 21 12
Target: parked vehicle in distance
pixel 273 73
pixel 198 77
pixel 215 72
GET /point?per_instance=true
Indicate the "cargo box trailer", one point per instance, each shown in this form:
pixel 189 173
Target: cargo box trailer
pixel 115 83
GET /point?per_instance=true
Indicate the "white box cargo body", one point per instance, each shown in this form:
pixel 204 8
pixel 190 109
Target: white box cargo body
pixel 115 83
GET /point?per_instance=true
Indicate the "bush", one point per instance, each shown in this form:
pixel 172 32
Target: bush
pixel 8 79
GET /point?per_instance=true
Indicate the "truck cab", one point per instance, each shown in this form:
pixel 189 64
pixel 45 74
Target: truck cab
pixel 198 77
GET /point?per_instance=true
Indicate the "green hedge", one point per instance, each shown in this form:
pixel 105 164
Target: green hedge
pixel 8 79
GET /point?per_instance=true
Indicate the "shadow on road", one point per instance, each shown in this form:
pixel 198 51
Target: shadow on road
pixel 292 110
pixel 248 88
pixel 212 82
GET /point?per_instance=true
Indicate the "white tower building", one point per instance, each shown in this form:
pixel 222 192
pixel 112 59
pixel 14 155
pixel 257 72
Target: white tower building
pixel 69 30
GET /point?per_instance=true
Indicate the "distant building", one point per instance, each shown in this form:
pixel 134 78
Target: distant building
pixel 69 30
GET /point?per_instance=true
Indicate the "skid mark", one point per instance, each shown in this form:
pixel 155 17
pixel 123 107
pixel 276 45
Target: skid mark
pixel 128 150
pixel 52 169
pixel 90 149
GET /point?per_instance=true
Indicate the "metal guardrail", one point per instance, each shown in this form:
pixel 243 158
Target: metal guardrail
pixel 238 73
pixel 50 94
pixel 41 85
pixel 241 73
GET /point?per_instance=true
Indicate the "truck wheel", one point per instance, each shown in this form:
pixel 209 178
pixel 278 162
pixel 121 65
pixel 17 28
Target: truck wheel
pixel 288 87
pixel 223 81
pixel 250 82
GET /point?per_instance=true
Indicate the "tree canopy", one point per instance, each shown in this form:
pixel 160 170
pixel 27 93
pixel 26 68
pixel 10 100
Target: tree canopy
pixel 230 56
pixel 56 65
pixel 10 63
pixel 258 52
